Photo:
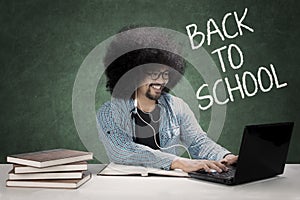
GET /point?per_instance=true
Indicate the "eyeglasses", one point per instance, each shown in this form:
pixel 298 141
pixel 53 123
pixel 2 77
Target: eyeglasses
pixel 156 75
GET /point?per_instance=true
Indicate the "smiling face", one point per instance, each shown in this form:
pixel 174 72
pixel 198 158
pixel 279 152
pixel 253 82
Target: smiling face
pixel 155 80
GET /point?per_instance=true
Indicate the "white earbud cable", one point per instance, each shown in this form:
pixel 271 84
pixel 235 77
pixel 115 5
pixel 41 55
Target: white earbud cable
pixel 162 148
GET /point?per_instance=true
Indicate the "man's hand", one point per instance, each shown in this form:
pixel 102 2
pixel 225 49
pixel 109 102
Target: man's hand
pixel 229 159
pixel 188 165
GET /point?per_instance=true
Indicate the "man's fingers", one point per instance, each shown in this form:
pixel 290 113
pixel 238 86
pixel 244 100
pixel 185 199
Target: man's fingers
pixel 224 161
pixel 229 160
pixel 206 168
pixel 215 167
pixel 219 167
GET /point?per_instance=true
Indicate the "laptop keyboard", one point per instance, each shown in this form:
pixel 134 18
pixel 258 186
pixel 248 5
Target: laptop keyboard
pixel 223 175
pixel 227 174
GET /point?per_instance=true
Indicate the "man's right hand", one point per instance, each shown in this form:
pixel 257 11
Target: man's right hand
pixel 188 165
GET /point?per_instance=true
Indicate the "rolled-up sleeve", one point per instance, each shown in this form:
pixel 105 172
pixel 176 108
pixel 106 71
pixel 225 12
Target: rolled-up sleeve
pixel 199 144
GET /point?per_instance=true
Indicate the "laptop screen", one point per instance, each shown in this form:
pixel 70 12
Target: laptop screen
pixel 263 151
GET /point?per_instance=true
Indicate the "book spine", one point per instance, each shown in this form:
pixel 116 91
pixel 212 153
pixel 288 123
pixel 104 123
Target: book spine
pixel 75 175
pixel 23 162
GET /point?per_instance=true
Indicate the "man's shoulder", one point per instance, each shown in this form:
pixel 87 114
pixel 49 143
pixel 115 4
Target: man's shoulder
pixel 103 110
pixel 171 99
pixel 104 106
pixel 116 105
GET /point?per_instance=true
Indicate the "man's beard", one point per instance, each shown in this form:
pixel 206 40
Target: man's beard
pixel 154 96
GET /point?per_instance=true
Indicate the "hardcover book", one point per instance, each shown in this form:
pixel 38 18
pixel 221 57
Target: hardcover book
pixel 113 169
pixel 54 183
pixel 45 175
pixel 50 157
pixel 78 166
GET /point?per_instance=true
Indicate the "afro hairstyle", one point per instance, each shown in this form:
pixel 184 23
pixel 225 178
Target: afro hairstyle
pixel 140 41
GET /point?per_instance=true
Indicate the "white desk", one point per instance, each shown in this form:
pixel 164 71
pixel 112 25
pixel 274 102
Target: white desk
pixel 284 187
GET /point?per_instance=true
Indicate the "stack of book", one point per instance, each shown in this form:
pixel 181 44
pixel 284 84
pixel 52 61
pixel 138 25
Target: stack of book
pixel 57 168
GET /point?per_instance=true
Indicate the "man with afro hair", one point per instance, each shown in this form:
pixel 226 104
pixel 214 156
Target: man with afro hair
pixel 143 124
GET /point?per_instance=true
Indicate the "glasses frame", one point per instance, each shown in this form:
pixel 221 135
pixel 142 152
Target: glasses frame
pixel 156 76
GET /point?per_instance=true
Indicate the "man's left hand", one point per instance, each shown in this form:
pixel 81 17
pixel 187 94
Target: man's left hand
pixel 229 159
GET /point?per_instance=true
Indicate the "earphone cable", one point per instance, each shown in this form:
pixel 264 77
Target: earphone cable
pixel 163 148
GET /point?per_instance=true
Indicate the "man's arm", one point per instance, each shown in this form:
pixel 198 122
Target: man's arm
pixel 197 141
pixel 189 165
pixel 209 154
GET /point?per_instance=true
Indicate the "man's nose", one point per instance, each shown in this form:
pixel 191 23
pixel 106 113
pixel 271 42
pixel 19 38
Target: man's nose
pixel 161 80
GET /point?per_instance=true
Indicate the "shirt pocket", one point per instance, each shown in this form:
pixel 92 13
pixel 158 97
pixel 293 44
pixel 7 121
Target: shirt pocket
pixel 170 135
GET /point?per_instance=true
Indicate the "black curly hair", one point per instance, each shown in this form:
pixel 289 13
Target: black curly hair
pixel 139 40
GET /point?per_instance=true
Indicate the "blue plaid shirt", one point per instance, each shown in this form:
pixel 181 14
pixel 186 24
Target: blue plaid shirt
pixel 178 125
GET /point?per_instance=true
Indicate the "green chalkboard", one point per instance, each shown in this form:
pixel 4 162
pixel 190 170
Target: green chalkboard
pixel 44 43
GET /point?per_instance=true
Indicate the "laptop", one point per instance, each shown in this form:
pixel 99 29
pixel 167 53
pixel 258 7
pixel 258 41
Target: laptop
pixel 263 153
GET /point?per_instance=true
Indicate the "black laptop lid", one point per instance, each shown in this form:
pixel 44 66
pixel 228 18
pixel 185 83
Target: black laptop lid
pixel 263 151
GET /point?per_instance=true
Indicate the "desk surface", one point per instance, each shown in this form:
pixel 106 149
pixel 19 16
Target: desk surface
pixel 283 187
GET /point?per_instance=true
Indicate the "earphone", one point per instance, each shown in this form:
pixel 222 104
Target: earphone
pixel 135 106
pixel 148 124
